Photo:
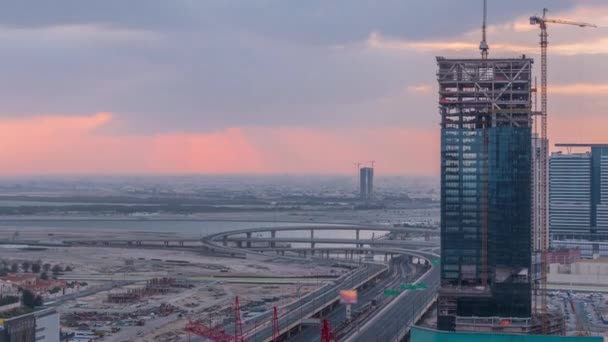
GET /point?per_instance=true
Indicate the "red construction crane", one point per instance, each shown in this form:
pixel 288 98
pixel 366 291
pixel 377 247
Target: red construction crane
pixel 276 332
pixel 238 324
pixel 542 187
pixel 218 334
pixel 327 335
pixel 214 334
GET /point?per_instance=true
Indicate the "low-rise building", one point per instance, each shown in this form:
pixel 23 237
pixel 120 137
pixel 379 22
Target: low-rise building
pixel 19 280
pixel 563 256
pixel 8 289
pixel 42 287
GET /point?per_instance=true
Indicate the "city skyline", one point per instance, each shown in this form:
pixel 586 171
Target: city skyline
pixel 264 88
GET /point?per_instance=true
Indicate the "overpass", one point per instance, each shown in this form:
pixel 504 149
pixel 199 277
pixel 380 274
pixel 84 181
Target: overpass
pixel 250 242
pixel 386 322
pixel 233 235
pixel 394 321
pixel 326 298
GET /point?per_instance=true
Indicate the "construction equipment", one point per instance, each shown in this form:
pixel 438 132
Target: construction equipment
pixel 486 122
pixel 276 332
pixel 483 45
pixel 212 333
pixel 238 324
pixel 542 161
pixel 218 334
pixel 327 335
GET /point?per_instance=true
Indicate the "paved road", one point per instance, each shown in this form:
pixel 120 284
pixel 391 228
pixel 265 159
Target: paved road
pixel 396 319
pixel 391 321
pixel 310 304
pixel 370 242
pixel 400 272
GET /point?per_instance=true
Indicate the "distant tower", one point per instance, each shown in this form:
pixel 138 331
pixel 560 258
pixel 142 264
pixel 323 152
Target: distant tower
pixel 366 182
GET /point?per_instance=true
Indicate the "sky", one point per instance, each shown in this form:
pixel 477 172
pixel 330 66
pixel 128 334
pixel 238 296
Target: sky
pixel 266 86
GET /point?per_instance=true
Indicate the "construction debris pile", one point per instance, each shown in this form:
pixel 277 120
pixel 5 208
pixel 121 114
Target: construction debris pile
pixel 156 286
pixel 92 319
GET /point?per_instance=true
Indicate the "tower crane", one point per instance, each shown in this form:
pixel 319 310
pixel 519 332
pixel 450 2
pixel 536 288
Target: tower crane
pixel 542 162
pixel 483 45
pixel 484 49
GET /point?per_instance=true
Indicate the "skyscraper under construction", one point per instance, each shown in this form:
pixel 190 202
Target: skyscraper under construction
pixel 486 191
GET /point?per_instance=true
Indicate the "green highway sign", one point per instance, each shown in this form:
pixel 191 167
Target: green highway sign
pixel 421 286
pixel 391 292
pixel 418 287
pixel 435 261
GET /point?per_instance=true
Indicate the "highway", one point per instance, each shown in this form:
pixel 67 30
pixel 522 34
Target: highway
pixel 181 242
pixel 400 272
pixel 293 313
pixel 391 322
pixel 370 242
pixel 318 227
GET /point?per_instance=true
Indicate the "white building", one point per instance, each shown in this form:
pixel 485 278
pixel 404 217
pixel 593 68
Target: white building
pixel 47 325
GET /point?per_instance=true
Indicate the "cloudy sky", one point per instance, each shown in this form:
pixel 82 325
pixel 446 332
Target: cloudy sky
pixel 265 86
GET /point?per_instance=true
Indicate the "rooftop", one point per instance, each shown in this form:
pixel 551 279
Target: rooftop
pixel 18 277
pixel 522 57
pixel 580 145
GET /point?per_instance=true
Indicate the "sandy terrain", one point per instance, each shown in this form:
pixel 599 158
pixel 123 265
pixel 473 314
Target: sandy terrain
pixel 209 298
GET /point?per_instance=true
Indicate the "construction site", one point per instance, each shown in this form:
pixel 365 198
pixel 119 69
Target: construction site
pixel 494 215
pixel 155 286
pixel 363 272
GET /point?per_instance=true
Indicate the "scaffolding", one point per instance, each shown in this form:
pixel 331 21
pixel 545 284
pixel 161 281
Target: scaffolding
pixel 485 108
pixel 155 286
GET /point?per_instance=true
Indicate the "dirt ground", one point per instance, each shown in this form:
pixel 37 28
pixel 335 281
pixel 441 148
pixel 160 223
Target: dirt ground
pixel 209 298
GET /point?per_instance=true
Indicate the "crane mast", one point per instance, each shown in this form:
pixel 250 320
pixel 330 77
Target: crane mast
pixel 483 45
pixel 486 123
pixel 542 161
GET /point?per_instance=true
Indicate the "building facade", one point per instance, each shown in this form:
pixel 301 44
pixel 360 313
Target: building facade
pixel 578 198
pixel 366 182
pixel 39 325
pixel 47 325
pixel 486 188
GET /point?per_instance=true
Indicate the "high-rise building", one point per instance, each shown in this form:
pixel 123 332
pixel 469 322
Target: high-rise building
pixel 538 235
pixel 486 190
pixel 366 182
pixel 578 198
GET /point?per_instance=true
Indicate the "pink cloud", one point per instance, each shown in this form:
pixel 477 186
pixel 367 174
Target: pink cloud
pixel 578 129
pixel 60 144
pixel 587 89
pixel 420 88
pixel 395 149
pixel 63 144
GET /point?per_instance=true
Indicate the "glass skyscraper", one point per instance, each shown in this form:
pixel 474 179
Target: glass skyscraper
pixel 570 192
pixel 578 198
pixel 486 189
